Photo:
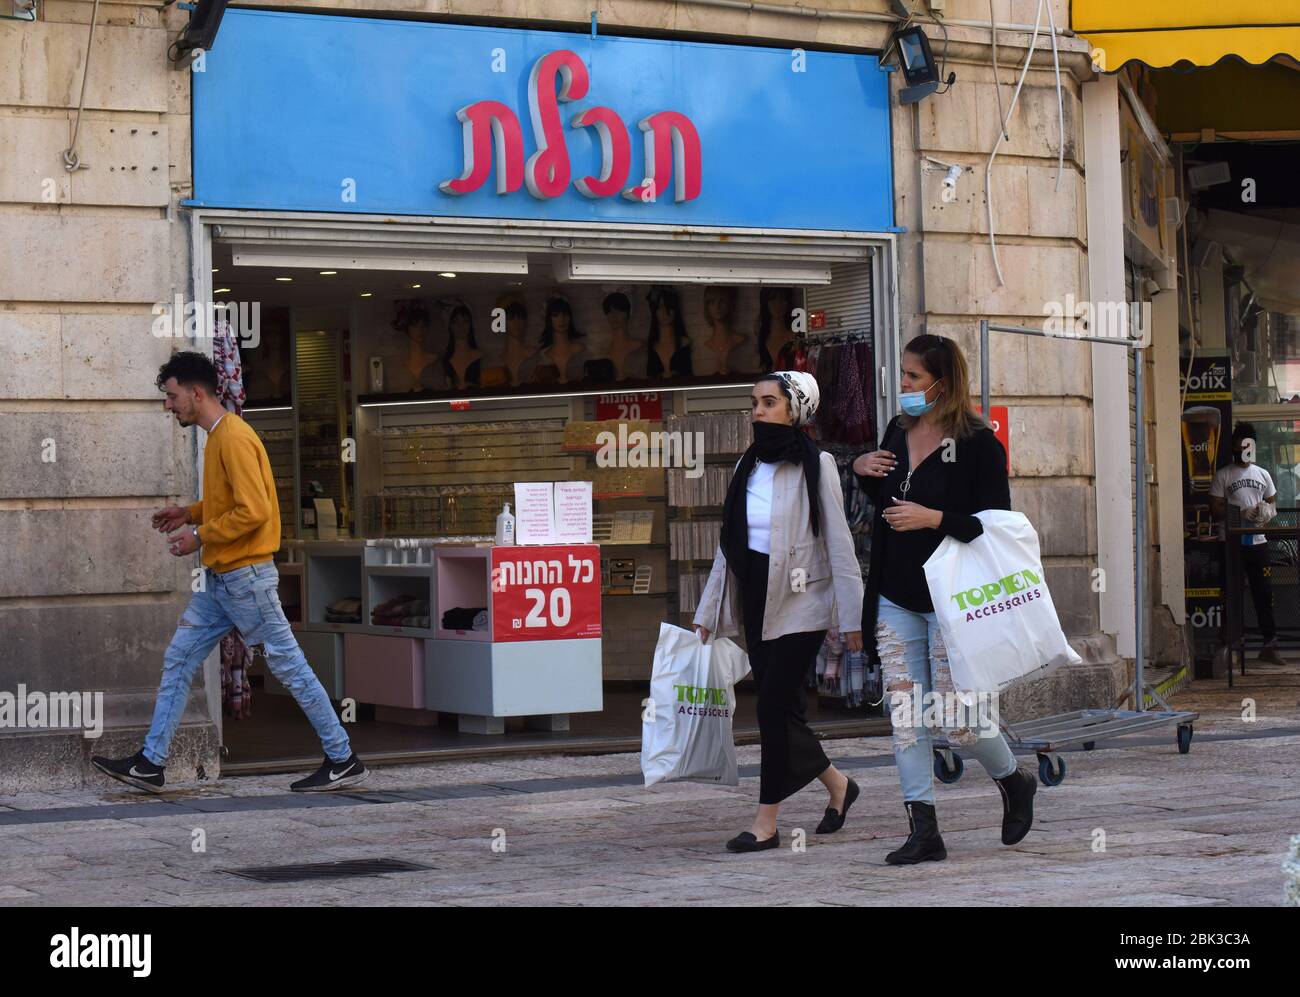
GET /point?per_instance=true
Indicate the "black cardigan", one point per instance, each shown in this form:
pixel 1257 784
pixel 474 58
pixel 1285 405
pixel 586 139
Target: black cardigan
pixel 975 481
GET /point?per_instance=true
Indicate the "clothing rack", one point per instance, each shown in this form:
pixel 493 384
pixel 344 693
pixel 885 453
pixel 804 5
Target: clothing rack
pixel 836 338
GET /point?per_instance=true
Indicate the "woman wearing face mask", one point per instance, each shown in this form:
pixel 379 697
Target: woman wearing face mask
pixel 784 568
pixel 938 464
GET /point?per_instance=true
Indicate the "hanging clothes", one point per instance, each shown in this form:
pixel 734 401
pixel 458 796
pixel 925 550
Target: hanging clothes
pixel 230 371
pixel 236 657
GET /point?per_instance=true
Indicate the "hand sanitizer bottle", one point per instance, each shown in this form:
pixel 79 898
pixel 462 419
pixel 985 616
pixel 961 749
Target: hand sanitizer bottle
pixel 505 527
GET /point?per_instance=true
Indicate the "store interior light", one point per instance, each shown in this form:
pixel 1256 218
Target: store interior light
pixel 284 280
pixel 329 273
pixel 415 287
pixel 366 294
pixel 222 290
pixel 706 270
pixel 332 256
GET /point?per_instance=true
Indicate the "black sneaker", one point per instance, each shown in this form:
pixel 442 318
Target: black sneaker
pixel 333 775
pixel 135 771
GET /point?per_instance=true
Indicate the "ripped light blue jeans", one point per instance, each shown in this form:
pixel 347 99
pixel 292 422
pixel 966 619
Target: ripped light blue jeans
pixel 914 665
pixel 247 598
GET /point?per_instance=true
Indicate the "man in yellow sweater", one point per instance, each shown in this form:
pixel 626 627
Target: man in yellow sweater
pixel 237 526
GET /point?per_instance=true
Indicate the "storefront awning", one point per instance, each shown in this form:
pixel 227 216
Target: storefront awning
pixel 1163 33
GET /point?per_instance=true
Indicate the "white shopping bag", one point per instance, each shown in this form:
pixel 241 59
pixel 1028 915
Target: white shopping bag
pixel 686 725
pixel 995 612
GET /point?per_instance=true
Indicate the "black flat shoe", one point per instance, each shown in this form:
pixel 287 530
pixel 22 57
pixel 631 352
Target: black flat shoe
pixel 834 820
pixel 746 842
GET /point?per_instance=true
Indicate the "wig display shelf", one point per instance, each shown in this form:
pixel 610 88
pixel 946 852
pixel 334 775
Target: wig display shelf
pixel 485 682
pixel 540 655
pixel 387 582
pixel 462 580
pixel 333 572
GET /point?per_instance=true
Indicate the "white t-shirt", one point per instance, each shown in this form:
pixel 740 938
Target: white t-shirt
pixel 1245 488
pixel 758 506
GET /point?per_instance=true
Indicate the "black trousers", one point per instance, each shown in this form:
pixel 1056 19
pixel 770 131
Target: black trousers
pixel 1254 561
pixel 792 756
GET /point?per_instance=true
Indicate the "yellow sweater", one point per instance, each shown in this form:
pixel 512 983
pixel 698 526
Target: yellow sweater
pixel 238 517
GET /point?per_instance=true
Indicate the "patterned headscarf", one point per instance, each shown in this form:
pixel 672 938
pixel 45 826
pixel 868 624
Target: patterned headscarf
pixel 804 394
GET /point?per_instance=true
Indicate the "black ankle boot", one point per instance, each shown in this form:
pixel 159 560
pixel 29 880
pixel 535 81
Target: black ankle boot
pixel 924 844
pixel 1018 791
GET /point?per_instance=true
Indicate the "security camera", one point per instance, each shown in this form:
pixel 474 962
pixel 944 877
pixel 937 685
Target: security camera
pixel 954 174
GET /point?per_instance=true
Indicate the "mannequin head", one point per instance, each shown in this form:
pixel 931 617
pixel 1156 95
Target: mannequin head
pixel 719 304
pixel 666 312
pixel 460 328
pixel 559 322
pixel 618 310
pixel 774 311
pixel 516 320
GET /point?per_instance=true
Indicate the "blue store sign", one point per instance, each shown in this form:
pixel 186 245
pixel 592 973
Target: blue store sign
pixel 307 112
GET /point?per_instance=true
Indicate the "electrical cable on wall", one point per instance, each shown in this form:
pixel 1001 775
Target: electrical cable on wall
pixel 71 161
pixel 1060 99
pixel 997 75
pixel 988 168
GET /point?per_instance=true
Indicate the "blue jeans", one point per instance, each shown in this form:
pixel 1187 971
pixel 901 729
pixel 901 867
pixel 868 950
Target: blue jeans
pixel 914 664
pixel 247 598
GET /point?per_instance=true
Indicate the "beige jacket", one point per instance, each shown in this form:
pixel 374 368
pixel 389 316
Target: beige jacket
pixel 813 583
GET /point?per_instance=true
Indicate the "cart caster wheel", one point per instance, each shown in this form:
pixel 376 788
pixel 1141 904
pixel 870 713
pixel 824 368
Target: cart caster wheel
pixel 1049 774
pixel 1089 745
pixel 945 774
pixel 1184 738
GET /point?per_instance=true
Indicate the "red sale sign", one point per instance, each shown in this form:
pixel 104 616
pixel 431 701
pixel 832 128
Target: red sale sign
pixel 648 405
pixel 1000 421
pixel 545 593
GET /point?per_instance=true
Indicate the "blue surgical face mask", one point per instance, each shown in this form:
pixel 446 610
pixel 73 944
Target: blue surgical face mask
pixel 913 403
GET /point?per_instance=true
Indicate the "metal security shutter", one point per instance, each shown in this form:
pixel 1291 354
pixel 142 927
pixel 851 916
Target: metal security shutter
pixel 319 412
pixel 847 299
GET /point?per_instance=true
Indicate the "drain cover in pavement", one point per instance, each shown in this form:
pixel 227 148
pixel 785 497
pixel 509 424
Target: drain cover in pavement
pixel 326 870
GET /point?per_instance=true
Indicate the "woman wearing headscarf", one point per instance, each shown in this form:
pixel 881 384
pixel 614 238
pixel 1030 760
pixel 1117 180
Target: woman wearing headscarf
pixel 785 570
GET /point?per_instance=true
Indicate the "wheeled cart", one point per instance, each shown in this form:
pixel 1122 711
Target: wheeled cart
pixel 1047 735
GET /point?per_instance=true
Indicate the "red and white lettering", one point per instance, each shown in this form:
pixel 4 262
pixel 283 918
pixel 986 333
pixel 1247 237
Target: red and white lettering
pixel 492 136
pixel 615 152
pixel 547 171
pixel 672 154
pixel 485 126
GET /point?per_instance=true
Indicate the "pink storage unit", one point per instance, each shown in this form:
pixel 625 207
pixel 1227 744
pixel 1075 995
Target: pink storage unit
pixel 385 671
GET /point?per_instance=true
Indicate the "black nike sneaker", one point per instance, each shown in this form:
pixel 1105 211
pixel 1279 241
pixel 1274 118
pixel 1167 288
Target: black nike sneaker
pixel 333 775
pixel 135 771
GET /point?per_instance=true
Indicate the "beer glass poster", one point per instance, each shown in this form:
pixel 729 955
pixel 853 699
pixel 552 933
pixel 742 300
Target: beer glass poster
pixel 1206 424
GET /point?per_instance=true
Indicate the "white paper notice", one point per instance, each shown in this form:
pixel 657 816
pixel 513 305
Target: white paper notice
pixel 534 513
pixel 573 512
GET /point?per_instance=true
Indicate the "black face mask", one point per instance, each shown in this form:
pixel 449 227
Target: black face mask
pixel 774 441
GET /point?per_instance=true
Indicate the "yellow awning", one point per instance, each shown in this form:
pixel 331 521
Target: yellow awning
pixel 1201 32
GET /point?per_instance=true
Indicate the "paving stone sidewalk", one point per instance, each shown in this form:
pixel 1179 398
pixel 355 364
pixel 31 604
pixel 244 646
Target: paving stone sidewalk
pixel 1134 823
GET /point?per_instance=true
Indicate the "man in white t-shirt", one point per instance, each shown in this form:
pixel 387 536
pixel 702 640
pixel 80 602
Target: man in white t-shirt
pixel 1248 487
